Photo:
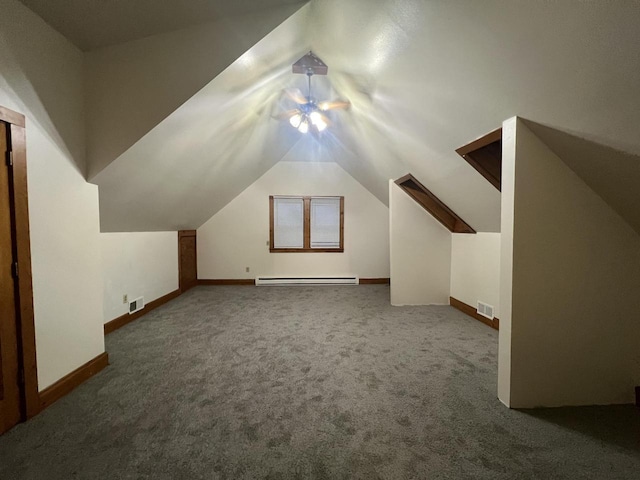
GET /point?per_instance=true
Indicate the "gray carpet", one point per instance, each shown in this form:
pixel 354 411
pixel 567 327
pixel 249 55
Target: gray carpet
pixel 310 382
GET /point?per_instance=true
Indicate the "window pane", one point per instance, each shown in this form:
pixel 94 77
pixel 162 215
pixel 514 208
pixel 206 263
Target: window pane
pixel 325 222
pixel 288 226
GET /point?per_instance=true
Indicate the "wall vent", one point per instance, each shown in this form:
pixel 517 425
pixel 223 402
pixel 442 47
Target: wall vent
pixel 485 310
pixel 136 305
pixel 290 281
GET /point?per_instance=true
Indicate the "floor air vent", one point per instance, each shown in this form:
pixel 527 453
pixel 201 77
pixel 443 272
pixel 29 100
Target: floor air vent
pixel 280 281
pixel 136 305
pixel 485 310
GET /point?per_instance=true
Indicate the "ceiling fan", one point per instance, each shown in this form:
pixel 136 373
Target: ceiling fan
pixel 309 112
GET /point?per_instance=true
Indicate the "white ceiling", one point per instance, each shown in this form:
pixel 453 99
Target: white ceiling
pixel 131 87
pixel 424 77
pixel 211 148
pixel 92 24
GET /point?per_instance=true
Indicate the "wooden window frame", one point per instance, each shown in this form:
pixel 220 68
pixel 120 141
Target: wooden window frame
pixel 307 226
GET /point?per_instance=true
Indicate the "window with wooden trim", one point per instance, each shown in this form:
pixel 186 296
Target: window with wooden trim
pixel 306 224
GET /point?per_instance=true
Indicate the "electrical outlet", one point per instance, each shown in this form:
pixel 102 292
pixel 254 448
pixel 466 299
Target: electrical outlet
pixel 125 298
pixel 247 269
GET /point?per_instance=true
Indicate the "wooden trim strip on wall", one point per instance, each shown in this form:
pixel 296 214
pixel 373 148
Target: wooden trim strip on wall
pixel 485 155
pixel 183 285
pixel 25 285
pixel 494 136
pixel 469 310
pixel 14 118
pixel 375 281
pixel 27 349
pixel 123 320
pixel 432 204
pixel 67 383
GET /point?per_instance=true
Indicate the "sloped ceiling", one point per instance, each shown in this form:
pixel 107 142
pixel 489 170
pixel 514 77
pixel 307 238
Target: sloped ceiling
pixel 131 87
pixel 424 77
pixel 211 148
pixel 613 174
pixel 92 24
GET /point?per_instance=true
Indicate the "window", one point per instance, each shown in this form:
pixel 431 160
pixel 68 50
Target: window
pixel 306 224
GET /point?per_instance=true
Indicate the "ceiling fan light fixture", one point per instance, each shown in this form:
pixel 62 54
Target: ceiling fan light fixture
pixel 315 118
pixel 295 120
pixel 304 126
pixel 309 112
pixel 321 125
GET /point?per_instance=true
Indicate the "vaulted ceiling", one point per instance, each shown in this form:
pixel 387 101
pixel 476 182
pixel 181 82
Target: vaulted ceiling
pixel 92 24
pixel 423 78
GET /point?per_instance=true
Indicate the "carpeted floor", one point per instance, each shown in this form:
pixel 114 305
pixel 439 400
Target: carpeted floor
pixel 310 382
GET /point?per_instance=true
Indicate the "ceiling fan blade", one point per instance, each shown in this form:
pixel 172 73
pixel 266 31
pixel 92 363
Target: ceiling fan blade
pixel 326 120
pixel 296 95
pixel 334 105
pixel 286 115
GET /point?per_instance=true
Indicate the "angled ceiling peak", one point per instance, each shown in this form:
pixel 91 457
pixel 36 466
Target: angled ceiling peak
pixel 310 64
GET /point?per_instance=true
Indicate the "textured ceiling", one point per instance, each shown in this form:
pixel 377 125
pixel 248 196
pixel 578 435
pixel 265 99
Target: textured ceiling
pixel 423 77
pixel 92 24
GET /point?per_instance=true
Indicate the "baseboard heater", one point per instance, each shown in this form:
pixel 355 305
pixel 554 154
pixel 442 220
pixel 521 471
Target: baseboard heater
pixel 280 281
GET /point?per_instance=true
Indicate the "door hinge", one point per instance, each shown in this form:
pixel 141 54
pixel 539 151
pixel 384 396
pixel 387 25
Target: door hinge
pixel 9 158
pixel 15 269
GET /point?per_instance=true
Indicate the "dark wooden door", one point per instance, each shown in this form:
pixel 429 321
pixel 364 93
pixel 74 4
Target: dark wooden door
pixel 188 259
pixel 10 382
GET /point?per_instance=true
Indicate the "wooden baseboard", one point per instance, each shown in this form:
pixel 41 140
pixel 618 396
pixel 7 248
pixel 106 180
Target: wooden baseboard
pixel 469 310
pixel 122 320
pixel 226 281
pixel 375 281
pixel 67 383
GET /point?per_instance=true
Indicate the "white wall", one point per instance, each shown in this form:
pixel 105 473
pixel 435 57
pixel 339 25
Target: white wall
pixel 420 253
pixel 236 237
pixel 475 269
pixel 506 258
pixel 575 266
pixel 41 77
pixel 137 264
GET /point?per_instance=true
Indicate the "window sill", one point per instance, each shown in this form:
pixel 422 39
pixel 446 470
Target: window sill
pixel 306 250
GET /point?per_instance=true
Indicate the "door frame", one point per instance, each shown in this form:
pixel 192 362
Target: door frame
pixel 181 234
pixel 24 301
